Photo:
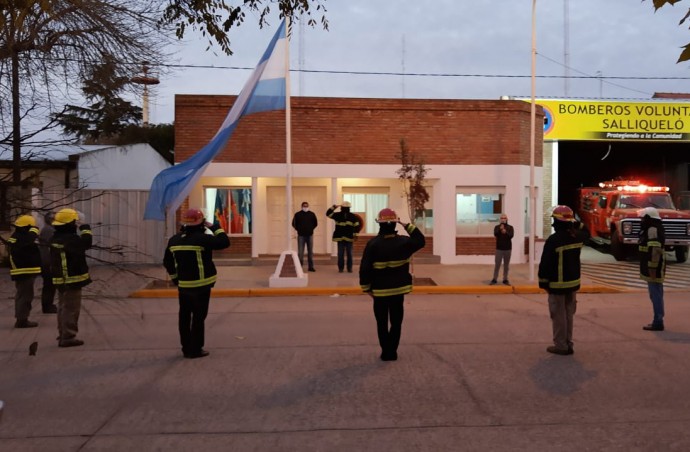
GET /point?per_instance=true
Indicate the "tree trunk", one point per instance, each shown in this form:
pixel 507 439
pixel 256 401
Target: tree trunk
pixel 16 123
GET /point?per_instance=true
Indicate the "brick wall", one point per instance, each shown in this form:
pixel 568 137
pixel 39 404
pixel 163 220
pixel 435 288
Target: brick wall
pixel 358 247
pixel 471 246
pixel 339 130
pixel 366 131
pixel 239 246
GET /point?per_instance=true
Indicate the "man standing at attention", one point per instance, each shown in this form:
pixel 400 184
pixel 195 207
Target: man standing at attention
pixel 653 263
pixel 346 227
pixel 48 289
pixel 559 275
pixel 385 275
pixel 70 271
pixel 189 262
pixel 504 245
pixel 25 265
pixel 304 223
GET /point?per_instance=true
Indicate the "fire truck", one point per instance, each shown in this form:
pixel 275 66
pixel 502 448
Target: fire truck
pixel 610 213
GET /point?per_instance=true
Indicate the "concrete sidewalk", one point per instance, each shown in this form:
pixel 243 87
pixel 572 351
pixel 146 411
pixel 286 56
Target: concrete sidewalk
pixel 302 373
pixel 250 280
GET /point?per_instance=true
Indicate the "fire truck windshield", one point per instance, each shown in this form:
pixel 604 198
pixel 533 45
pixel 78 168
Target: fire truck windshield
pixel 638 201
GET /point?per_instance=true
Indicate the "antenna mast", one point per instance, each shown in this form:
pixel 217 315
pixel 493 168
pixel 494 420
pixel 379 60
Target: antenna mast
pixel 566 47
pixel 301 57
pixel 403 66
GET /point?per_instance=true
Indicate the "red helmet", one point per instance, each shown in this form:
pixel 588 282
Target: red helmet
pixel 387 215
pixel 192 217
pixel 563 213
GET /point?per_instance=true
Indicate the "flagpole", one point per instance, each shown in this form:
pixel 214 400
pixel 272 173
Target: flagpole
pixel 288 134
pixel 532 146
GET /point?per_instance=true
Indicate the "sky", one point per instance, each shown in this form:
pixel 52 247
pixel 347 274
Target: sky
pixel 470 43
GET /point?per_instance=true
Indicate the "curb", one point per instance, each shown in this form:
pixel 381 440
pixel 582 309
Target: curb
pixel 313 291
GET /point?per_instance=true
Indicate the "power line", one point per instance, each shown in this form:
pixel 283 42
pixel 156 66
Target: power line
pixel 432 74
pixel 601 78
pixel 398 74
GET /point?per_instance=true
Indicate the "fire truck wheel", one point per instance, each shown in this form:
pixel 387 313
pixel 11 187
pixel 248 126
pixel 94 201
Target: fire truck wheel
pixel 681 253
pixel 618 247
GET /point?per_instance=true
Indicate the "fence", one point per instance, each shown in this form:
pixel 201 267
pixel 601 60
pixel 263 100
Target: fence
pixel 120 235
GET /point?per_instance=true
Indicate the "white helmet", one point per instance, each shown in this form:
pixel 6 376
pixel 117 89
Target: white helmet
pixel 650 212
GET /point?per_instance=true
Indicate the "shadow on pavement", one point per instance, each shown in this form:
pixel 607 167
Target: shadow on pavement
pixel 678 337
pixel 560 375
pixel 332 382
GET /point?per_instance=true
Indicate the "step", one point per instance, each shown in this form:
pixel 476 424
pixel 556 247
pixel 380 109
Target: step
pixel 272 260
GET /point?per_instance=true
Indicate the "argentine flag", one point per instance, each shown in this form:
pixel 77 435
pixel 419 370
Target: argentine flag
pixel 264 91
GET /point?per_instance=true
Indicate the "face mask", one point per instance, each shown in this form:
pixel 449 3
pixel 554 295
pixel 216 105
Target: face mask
pixel 305 209
pixel 504 220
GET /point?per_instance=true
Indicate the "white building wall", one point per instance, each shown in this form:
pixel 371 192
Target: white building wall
pixel 130 167
pixel 443 178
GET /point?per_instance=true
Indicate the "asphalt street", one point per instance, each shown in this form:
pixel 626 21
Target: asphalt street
pixel 302 373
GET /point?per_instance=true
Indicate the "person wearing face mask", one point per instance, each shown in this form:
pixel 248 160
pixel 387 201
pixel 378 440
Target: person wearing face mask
pixel 559 276
pixel 188 260
pixel 653 263
pixel 346 227
pixel 384 274
pixel 504 245
pixel 304 222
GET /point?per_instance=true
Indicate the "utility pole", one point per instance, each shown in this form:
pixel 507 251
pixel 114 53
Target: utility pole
pixel 145 80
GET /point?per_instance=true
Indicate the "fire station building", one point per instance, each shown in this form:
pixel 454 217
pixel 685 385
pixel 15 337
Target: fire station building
pixel 589 141
pixel 477 153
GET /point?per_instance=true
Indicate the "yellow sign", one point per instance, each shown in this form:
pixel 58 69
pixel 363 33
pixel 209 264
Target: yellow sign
pixel 615 121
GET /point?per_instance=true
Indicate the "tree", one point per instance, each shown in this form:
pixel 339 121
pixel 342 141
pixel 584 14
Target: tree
pixel 44 44
pixel 214 18
pixel 685 54
pixel 161 137
pixel 108 114
pixel 412 174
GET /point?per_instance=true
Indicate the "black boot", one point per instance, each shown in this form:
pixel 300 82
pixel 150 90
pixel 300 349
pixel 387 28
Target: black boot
pixel 25 323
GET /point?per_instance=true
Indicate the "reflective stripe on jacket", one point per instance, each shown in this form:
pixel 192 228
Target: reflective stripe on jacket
pixel 652 257
pixel 68 255
pixel 189 256
pixel 346 225
pixel 25 258
pixel 385 267
pixel 559 269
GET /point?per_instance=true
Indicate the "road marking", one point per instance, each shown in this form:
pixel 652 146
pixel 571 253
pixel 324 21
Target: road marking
pixel 626 275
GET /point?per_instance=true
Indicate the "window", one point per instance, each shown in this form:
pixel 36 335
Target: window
pixel 230 207
pixel 478 211
pixel 367 202
pixel 424 220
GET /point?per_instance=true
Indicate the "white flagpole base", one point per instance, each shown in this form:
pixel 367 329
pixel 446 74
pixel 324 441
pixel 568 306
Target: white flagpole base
pixel 288 272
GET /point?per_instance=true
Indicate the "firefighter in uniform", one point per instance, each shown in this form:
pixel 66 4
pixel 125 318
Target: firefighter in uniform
pixel 189 262
pixel 653 263
pixel 384 274
pixel 70 272
pixel 346 228
pixel 25 266
pixel 559 275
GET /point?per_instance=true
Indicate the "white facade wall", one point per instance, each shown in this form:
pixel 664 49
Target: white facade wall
pixel 444 180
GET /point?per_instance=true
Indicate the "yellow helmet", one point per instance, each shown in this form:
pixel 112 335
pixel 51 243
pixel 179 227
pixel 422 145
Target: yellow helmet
pixel 24 220
pixel 65 216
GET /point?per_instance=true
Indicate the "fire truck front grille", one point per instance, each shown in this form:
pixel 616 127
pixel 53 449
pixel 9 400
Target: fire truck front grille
pixel 672 229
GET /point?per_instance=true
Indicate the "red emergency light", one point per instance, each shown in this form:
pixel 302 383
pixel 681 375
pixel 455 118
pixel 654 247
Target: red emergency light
pixel 631 185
